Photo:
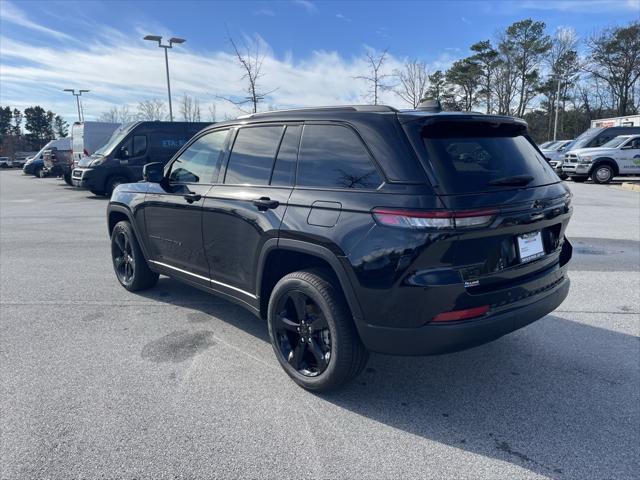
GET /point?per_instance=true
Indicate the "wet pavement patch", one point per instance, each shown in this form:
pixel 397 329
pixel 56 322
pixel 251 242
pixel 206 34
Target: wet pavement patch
pixel 178 346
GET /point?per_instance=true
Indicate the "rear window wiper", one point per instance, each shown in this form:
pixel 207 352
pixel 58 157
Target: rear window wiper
pixel 515 180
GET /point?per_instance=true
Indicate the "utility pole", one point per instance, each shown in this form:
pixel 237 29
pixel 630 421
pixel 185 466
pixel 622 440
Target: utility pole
pixel 172 40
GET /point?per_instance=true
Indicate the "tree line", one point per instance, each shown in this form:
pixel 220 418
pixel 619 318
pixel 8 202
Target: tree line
pixel 527 73
pixel 29 130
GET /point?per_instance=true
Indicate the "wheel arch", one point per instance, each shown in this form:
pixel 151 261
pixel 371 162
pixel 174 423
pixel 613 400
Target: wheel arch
pixel 605 160
pixel 282 256
pixel 118 212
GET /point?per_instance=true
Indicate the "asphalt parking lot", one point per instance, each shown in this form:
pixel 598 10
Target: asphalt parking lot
pixel 97 382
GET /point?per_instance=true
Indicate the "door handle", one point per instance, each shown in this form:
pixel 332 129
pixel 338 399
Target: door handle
pixel 192 197
pixel 265 203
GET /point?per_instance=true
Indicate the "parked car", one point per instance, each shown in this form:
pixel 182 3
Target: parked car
pixel 555 155
pixel 58 160
pixel 618 157
pixel 35 164
pixel 5 162
pixel 87 137
pixel 20 158
pixel 132 146
pixel 355 229
pixel 547 144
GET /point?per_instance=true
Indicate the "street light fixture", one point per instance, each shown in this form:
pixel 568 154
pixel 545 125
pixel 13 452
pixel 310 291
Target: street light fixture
pixel 172 41
pixel 77 95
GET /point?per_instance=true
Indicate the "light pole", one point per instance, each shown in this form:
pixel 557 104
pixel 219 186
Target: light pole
pixel 77 95
pixel 172 40
pixel 555 123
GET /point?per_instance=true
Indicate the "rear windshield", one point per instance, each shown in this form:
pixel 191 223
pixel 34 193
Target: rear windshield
pixel 472 157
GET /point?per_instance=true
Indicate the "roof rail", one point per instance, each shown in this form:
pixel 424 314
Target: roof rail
pixel 336 108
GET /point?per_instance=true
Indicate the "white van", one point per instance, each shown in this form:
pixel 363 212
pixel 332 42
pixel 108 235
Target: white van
pixel 87 137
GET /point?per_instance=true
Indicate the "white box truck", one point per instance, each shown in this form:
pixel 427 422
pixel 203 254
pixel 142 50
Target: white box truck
pixel 87 137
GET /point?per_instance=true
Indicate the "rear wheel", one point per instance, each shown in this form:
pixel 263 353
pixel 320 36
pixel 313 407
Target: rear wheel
pixel 312 331
pixel 602 173
pixel 42 173
pixel 129 263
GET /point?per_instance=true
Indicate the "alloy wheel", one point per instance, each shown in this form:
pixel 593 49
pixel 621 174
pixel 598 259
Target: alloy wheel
pixel 302 334
pixel 123 258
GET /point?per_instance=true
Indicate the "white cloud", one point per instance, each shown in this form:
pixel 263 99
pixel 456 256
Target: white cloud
pixel 12 14
pixel 342 17
pixel 308 5
pixel 125 70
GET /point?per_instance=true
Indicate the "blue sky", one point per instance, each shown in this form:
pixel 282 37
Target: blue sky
pixel 313 48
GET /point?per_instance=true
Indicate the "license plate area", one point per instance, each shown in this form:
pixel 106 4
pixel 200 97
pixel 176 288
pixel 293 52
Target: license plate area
pixel 530 246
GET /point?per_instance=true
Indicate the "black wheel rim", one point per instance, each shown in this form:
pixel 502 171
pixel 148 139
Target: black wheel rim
pixel 302 334
pixel 123 260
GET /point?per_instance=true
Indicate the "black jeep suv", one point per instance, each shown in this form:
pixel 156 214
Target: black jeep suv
pixel 355 229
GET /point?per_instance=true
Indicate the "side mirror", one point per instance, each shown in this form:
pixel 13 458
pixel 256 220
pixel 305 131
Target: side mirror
pixel 153 172
pixel 627 147
pixel 124 153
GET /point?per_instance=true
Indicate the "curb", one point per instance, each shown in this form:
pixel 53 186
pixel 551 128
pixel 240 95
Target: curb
pixel 634 187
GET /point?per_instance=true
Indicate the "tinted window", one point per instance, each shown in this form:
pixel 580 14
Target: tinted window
pixel 333 156
pixel 139 145
pixel 201 160
pixel 284 170
pixel 635 143
pixel 252 155
pixel 468 157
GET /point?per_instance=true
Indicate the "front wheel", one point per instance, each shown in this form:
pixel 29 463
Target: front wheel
pixel 129 263
pixel 42 173
pixel 312 331
pixel 67 178
pixel 602 174
pixel 112 183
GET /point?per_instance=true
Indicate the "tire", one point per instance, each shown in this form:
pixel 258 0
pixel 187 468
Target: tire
pixel 129 264
pixel 67 179
pixel 579 179
pixel 41 173
pixel 320 357
pixel 112 183
pixel 602 173
pixel 97 193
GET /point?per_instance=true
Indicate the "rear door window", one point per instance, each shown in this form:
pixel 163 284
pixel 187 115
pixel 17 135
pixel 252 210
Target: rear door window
pixel 470 158
pixel 252 155
pixel 333 156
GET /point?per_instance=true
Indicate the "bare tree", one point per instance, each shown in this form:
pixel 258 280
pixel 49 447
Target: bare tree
pixel 190 108
pixel 614 57
pixel 120 114
pixel 413 81
pixel 212 112
pixel 375 78
pixel 250 58
pixel 152 110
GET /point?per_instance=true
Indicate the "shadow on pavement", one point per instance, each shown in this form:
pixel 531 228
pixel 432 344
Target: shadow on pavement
pixel 558 398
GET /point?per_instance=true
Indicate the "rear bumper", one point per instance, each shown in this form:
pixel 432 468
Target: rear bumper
pixel 433 339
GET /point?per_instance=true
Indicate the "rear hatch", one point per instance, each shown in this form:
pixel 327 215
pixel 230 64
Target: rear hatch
pixel 510 208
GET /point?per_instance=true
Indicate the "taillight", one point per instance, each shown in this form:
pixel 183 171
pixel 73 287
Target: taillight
pixel 433 219
pixel 461 314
